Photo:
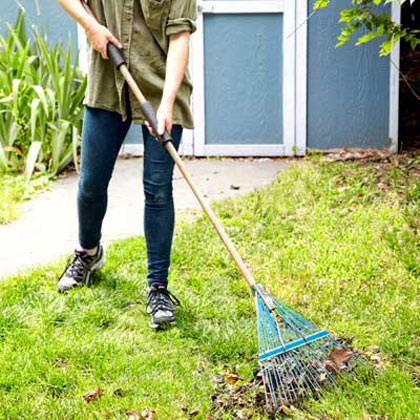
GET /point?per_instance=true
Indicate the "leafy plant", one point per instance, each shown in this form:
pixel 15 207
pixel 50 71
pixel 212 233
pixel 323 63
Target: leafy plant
pixel 370 17
pixel 41 94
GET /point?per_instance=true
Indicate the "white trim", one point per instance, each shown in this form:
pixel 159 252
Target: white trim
pixel 133 149
pixel 289 77
pixel 301 76
pixel 198 106
pixel 246 150
pixel 186 146
pixel 137 149
pixel 394 84
pixel 83 50
pixel 239 6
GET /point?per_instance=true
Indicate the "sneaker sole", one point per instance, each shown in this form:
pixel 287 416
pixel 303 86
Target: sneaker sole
pixel 162 324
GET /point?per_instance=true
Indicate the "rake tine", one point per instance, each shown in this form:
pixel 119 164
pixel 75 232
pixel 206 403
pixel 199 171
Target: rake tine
pixel 294 353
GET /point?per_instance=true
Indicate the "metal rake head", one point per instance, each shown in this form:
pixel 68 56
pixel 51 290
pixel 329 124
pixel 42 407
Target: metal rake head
pixel 296 357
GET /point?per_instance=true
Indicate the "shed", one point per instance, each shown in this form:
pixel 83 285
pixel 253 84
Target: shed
pixel 268 81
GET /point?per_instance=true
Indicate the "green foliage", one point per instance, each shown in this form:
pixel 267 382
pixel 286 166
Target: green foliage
pixel 14 190
pixel 368 16
pixel 335 242
pixel 41 94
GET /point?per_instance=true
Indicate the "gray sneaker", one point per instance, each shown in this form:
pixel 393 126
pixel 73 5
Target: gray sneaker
pixel 78 271
pixel 160 305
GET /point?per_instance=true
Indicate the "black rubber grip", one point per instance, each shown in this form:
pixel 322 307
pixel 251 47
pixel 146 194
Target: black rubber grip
pixel 115 55
pixel 150 115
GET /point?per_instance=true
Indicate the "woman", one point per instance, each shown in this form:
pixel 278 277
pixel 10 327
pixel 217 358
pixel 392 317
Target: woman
pixel 154 37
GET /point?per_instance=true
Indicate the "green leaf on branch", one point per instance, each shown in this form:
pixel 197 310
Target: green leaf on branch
pixel 368 37
pixel 320 4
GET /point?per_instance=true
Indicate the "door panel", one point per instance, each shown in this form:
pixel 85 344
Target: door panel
pixel 243 78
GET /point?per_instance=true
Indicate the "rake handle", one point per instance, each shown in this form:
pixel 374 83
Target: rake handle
pixel 210 214
pixel 119 62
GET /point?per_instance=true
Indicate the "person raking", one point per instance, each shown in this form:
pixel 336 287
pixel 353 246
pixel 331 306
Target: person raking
pixel 154 38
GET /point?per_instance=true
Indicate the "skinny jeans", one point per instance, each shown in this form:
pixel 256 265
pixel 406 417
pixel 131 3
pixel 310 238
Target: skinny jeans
pixel 102 136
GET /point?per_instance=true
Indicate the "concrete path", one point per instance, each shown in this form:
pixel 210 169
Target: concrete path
pixel 47 227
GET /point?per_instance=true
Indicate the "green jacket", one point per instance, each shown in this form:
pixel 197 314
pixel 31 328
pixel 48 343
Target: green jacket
pixel 143 27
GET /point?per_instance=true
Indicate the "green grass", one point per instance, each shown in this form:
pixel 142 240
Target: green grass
pixel 326 239
pixel 13 192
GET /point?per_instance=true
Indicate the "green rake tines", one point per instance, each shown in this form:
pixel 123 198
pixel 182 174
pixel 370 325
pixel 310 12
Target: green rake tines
pixel 296 357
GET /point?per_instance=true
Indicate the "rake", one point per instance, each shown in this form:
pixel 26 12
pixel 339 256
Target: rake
pixel 295 356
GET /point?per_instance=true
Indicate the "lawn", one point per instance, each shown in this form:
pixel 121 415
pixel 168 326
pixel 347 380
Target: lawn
pixel 14 191
pixel 338 242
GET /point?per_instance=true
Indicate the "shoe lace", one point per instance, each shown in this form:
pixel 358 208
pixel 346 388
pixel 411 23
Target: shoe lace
pixel 77 265
pixel 162 299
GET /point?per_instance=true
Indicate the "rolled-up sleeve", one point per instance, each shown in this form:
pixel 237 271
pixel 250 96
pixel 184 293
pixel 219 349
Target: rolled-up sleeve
pixel 182 16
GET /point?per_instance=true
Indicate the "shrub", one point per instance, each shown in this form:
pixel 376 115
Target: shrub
pixel 41 95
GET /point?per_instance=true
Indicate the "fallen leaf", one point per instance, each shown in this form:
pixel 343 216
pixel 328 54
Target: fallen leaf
pixel 231 378
pixel 218 379
pixel 93 395
pixel 194 413
pixel 322 378
pixel 148 413
pixel 132 415
pixel 375 349
pixel 118 392
pixel 337 359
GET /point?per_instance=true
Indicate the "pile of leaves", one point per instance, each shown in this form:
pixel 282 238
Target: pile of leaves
pixel 235 396
pixel 243 399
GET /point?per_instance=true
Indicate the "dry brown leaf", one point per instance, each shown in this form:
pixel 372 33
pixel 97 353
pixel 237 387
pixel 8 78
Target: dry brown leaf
pixel 148 413
pixel 118 393
pixel 132 415
pixel 218 379
pixel 337 359
pixel 231 378
pixel 93 395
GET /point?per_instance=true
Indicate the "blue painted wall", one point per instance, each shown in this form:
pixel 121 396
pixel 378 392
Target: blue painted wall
pixel 243 68
pixel 51 20
pixel 348 87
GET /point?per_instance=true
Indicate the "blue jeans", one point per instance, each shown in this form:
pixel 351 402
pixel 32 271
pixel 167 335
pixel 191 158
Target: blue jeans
pixel 102 136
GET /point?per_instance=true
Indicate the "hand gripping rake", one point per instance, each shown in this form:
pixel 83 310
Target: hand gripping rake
pixel 295 356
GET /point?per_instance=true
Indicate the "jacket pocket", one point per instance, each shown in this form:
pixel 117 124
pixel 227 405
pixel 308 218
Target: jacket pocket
pixel 155 13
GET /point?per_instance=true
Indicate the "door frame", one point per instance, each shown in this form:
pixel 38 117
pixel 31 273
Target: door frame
pixel 293 77
pixel 394 84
